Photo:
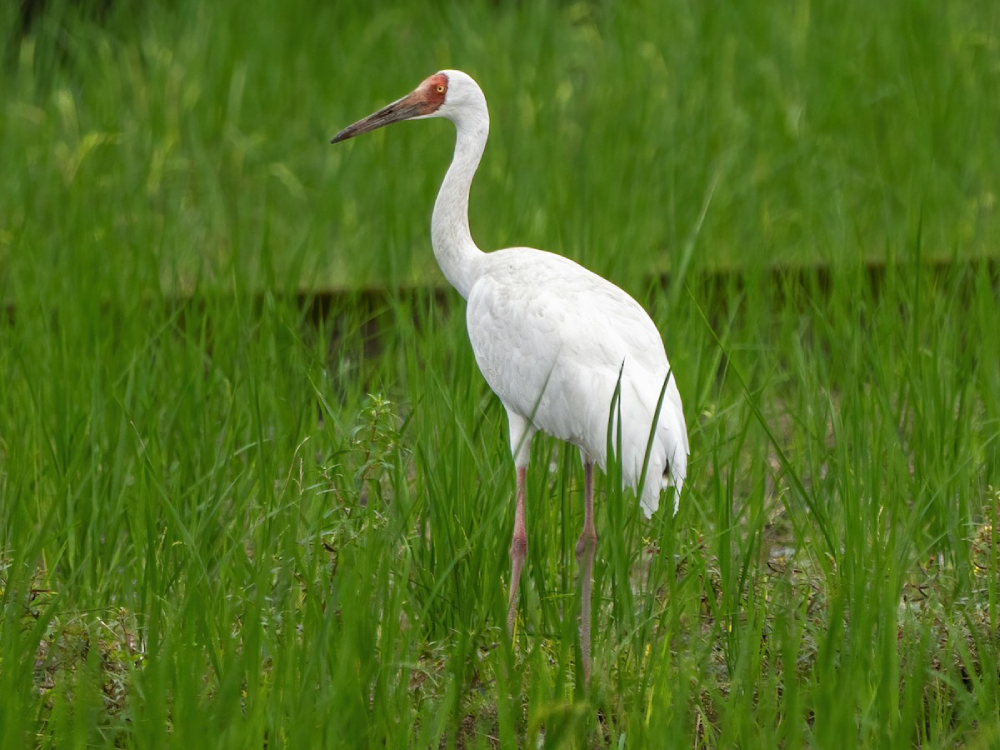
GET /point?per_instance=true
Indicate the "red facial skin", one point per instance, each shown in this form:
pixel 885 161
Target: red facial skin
pixel 433 91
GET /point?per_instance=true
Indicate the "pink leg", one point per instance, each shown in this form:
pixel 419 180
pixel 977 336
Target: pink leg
pixel 585 557
pixel 518 549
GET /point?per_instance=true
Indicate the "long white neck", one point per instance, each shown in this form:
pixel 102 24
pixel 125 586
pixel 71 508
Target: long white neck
pixel 456 253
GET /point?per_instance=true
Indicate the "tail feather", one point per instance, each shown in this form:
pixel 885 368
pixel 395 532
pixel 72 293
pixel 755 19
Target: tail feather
pixel 669 451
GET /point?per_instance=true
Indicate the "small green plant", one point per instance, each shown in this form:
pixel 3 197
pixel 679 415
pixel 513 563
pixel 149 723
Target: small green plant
pixel 375 443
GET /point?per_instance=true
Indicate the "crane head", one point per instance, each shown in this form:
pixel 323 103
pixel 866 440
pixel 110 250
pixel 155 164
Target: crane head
pixel 424 101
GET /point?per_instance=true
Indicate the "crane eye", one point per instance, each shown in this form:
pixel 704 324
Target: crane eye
pixel 440 88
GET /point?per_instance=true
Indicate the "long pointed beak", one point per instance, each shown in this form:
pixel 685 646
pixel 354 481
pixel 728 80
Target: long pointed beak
pixel 401 109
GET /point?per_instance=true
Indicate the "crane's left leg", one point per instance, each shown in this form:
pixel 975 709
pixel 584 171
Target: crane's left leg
pixel 518 549
pixel 521 432
pixel 585 557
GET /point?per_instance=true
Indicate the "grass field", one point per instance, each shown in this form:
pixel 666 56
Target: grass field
pixel 228 520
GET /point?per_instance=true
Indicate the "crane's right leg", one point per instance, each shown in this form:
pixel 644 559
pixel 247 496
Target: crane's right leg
pixel 521 433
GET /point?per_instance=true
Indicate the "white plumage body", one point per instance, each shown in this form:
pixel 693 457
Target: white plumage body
pixel 551 338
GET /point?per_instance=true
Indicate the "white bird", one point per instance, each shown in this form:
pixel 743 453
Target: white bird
pixel 551 338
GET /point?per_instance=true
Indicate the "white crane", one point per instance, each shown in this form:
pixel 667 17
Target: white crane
pixel 551 338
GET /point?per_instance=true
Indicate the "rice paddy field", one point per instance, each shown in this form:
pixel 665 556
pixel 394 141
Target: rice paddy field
pixel 255 493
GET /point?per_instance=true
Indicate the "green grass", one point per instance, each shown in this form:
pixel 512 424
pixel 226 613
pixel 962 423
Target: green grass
pixel 224 519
